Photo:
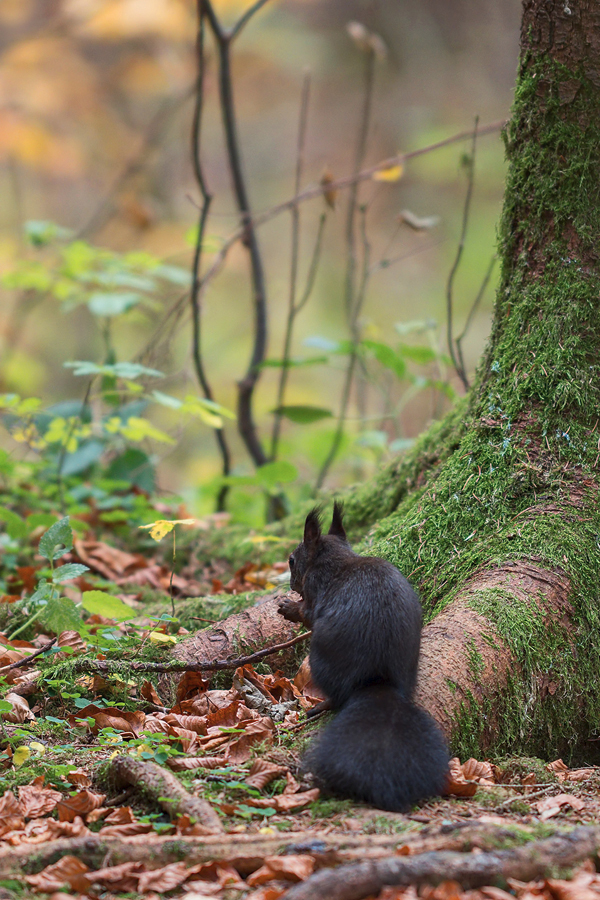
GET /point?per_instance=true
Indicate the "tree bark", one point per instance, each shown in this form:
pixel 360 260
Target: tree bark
pixel 501 537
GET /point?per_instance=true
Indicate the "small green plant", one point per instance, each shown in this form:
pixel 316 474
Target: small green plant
pixel 58 613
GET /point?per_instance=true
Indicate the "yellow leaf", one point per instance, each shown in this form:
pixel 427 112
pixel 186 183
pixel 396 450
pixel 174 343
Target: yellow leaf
pixel 21 755
pixel 162 527
pixel 328 193
pixel 158 637
pixel 37 748
pixel 393 173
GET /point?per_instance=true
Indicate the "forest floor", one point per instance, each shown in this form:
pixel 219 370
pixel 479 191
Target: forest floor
pixel 121 778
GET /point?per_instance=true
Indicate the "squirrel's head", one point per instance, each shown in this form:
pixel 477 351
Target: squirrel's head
pixel 313 543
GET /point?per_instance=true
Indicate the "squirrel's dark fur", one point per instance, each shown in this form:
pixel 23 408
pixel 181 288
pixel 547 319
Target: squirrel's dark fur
pixel 364 651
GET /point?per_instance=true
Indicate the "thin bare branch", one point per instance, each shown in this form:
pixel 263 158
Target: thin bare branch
pixel 245 18
pixel 361 149
pixel 203 217
pixel 460 370
pixel 473 309
pixel 318 190
pixel 246 385
pixel 314 264
pixel 295 253
pixel 353 298
pixel 134 164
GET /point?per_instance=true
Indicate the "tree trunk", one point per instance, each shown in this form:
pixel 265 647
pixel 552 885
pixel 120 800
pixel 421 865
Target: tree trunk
pixel 497 524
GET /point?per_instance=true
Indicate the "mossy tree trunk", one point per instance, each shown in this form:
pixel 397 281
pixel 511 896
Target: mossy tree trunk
pixel 495 517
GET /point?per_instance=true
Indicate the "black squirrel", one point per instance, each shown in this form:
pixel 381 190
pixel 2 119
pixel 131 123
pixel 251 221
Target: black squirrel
pixel 364 651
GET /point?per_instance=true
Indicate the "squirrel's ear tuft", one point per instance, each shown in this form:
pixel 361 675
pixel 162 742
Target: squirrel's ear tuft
pixel 337 527
pixel 312 526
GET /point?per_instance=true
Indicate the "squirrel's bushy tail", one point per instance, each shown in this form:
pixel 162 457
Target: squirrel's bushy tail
pixel 381 749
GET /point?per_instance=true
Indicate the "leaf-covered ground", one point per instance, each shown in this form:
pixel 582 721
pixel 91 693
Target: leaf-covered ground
pixel 121 777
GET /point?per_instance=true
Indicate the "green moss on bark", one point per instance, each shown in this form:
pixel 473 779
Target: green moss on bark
pixel 523 482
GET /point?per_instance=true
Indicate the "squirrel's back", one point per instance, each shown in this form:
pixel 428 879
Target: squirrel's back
pixel 366 628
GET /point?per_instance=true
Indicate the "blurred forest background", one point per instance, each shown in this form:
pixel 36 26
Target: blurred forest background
pixel 96 107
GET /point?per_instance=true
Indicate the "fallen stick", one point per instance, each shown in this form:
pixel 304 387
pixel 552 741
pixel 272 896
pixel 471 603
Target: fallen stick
pixel 87 666
pixel 28 659
pixel 535 860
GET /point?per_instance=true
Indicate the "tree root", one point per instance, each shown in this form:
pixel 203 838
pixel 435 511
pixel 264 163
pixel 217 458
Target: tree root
pixel 536 860
pixel 165 790
pixel 254 628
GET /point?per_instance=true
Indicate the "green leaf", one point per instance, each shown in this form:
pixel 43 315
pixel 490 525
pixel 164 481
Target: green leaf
pixel 134 467
pixel 82 458
pixel 101 604
pixel 421 355
pixel 401 444
pixel 138 429
pixel 387 356
pixel 57 540
pixel 174 274
pixel 167 400
pixel 42 595
pixel 274 473
pixel 105 304
pixel 126 279
pixel 67 572
pixel 15 526
pixel 61 614
pixel 208 411
pixel 117 370
pixel 303 415
pixel 374 440
pixel 317 342
pixel 35 520
pixel 41 233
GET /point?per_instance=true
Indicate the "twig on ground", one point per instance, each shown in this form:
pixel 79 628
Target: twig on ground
pixel 539 792
pixel 98 665
pixel 27 659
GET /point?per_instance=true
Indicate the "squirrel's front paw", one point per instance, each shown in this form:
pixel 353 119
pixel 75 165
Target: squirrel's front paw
pixel 292 610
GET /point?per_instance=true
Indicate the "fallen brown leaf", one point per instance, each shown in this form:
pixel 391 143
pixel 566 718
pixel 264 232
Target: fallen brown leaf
pixel 262 772
pixel 551 806
pixel 456 783
pixel 38 801
pixel 67 871
pixel 83 802
pixel 293 868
